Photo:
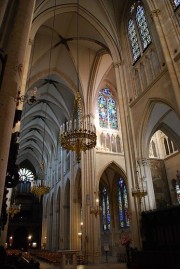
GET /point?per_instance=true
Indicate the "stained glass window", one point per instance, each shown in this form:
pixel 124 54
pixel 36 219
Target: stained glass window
pixel 105 210
pixel 143 27
pixel 123 204
pixel 138 31
pixel 133 40
pixel 176 3
pixel 25 175
pixel 107 110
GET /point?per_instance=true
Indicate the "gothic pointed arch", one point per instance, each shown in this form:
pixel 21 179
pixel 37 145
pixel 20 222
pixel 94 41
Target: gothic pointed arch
pixel 114 201
pixel 158 115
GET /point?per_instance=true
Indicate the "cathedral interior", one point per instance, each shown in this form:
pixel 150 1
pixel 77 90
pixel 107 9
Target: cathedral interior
pixel 90 129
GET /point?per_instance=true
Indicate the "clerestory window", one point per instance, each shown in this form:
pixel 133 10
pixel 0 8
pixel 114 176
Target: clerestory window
pixel 175 3
pixel 138 31
pixel 107 110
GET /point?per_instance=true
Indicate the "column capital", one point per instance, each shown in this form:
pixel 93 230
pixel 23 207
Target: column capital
pixel 117 64
pixel 155 12
pixel 143 161
pixel 31 41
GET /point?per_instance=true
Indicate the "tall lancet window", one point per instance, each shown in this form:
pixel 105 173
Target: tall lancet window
pixel 135 48
pixel 123 204
pixel 138 31
pixel 107 110
pixel 143 27
pixel 105 209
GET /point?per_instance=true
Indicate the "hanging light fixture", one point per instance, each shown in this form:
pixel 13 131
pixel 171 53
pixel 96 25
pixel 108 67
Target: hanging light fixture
pixel 39 187
pixel 97 209
pixel 79 134
pixel 30 97
pixel 14 208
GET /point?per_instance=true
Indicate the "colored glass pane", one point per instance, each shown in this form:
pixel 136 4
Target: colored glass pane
pixel 123 204
pixel 25 175
pixel 105 210
pixel 107 110
pixel 176 3
pixel 133 40
pixel 102 105
pixel 112 113
pixel 143 27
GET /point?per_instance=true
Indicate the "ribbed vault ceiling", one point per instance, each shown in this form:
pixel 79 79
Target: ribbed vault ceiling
pixel 59 41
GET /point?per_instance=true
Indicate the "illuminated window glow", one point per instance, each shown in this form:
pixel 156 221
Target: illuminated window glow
pixel 123 204
pixel 107 110
pixel 105 210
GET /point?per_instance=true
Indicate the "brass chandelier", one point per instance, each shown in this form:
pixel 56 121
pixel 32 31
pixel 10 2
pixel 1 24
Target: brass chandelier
pixel 14 209
pixel 97 209
pixel 39 187
pixel 79 134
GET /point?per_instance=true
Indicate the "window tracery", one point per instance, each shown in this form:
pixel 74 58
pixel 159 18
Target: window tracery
pixel 105 210
pixel 143 27
pixel 123 204
pixel 25 175
pixel 138 30
pixel 135 48
pixel 107 110
pixel 175 3
pixel 169 146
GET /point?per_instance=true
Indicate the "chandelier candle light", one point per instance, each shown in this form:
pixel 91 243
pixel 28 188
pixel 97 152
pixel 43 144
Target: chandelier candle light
pixel 78 134
pixel 14 209
pixel 97 209
pixel 39 187
pixel 30 97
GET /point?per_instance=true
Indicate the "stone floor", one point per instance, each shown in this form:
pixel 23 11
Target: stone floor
pixel 46 265
pixel 103 266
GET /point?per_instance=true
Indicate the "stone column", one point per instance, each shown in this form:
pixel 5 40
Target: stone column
pixel 145 182
pixel 15 50
pixel 62 209
pixel 75 210
pixel 91 224
pixel 44 224
pixel 54 218
pixel 48 226
pixel 129 150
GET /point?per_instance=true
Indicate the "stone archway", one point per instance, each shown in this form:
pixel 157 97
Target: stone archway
pixel 158 170
pixel 110 238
